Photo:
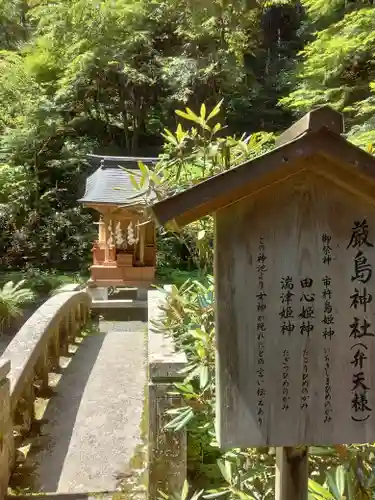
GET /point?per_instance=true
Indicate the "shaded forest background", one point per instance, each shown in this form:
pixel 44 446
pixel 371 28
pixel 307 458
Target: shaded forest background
pixel 79 76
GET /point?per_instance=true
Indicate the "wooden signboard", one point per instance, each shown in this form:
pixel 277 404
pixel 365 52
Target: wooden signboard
pixel 296 336
pixel 295 290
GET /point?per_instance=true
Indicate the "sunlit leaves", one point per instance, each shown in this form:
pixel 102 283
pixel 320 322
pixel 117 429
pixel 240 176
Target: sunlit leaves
pixel 183 416
pixel 318 492
pixel 12 297
pixel 201 234
pixel 201 119
pixel 215 111
pixel 182 495
pixel 203 111
pixel 337 66
pixel 320 9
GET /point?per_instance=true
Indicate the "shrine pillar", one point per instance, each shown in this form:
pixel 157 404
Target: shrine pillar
pixel 101 230
pixel 106 238
pixel 142 245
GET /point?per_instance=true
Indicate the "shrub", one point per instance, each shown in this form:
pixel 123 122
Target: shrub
pixel 41 282
pixel 12 298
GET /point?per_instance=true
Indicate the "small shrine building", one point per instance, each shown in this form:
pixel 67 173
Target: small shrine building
pixel 124 255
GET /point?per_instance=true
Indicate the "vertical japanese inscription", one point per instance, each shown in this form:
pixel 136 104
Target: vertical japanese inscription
pixel 306 327
pixel 328 318
pixel 327 249
pixel 328 330
pixel 261 329
pixel 360 328
pixel 287 327
pixel 305 381
pixel 307 313
pixel 286 381
pixel 286 313
pixel 327 386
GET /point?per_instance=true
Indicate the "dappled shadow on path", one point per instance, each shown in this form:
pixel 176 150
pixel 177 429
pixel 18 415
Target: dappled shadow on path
pixel 92 421
pixel 62 411
pixel 48 451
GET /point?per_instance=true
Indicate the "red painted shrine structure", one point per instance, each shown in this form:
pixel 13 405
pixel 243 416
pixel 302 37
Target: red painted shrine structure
pixel 124 253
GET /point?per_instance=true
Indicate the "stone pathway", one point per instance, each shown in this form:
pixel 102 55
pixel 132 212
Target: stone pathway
pixel 94 419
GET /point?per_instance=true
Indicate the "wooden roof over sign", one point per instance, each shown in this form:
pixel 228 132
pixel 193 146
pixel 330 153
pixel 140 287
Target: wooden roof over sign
pixel 315 136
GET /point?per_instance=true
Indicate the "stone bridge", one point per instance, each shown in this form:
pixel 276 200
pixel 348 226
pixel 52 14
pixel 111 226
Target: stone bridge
pixel 83 395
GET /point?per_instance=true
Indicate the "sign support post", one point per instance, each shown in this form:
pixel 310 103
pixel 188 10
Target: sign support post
pixel 291 473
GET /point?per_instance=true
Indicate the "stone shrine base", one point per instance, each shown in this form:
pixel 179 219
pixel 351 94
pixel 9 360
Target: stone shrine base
pixel 119 297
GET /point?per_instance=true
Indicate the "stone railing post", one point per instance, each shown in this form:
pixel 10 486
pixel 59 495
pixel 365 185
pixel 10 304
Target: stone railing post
pixel 6 429
pixel 167 450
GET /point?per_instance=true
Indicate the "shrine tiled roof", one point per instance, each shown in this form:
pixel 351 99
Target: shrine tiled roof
pixel 110 183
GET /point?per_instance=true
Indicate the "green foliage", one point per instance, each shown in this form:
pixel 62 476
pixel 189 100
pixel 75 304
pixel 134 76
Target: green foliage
pixel 337 66
pixel 39 217
pixel 190 156
pixel 11 177
pixel 41 282
pixel 168 275
pixel 189 318
pixel 194 154
pixel 12 298
pixel 355 480
pixel 13 27
pixel 183 495
pixel 77 75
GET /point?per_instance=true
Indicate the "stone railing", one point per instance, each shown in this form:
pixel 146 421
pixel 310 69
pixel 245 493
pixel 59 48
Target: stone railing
pixel 166 449
pixel 6 428
pixel 26 363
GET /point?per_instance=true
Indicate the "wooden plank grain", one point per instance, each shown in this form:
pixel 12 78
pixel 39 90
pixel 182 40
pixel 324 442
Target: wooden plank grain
pixel 291 480
pixel 291 220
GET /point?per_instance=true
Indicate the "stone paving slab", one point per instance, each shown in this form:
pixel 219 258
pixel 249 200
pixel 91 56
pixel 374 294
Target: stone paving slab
pixel 94 419
pixel 121 303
